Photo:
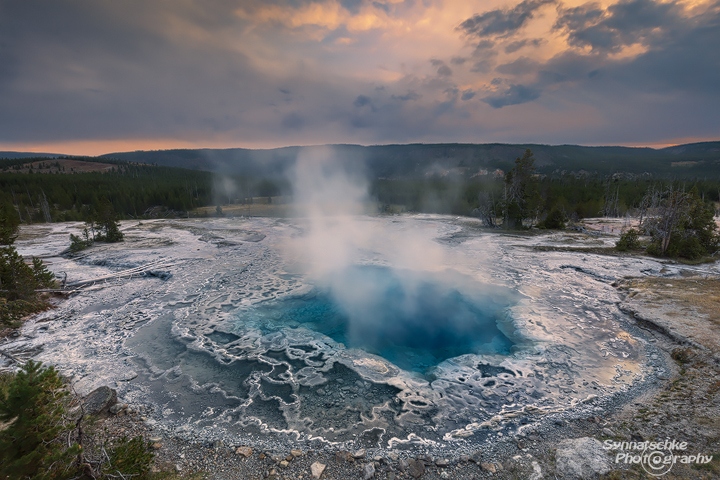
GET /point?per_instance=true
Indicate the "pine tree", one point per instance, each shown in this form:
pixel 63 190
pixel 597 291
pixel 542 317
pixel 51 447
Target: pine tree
pixel 522 194
pixel 34 408
pixel 18 281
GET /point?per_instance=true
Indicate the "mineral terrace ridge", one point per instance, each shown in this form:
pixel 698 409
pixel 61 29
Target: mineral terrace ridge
pixel 605 348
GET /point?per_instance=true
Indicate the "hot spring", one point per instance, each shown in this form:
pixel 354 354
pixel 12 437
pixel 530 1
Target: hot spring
pixel 414 320
pixel 425 332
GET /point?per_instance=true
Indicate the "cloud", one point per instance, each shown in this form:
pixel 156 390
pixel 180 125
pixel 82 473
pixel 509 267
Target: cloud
pixel 467 94
pixel 518 44
pixel 521 66
pixel 625 23
pixel 514 95
pixel 362 101
pixel 277 72
pixel 502 22
pixel 411 95
pixel 444 71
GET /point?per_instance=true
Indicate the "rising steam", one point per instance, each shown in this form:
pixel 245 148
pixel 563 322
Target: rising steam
pixel 391 284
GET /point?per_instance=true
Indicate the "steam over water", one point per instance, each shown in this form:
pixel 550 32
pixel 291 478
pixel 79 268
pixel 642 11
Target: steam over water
pixel 414 320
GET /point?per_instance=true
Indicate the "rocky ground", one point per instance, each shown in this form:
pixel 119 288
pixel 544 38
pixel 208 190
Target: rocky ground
pixel 678 315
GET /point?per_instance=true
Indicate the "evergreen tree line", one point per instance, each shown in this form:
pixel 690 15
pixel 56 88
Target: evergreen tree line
pixel 130 189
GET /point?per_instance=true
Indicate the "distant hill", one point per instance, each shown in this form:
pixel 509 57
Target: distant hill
pixel 697 160
pixel 28 155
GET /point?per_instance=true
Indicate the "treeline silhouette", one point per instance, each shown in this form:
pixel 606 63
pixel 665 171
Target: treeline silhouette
pixel 579 197
pixel 136 190
pixel 133 190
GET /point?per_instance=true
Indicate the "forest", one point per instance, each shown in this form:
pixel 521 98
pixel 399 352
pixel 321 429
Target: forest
pixel 136 190
pixel 133 191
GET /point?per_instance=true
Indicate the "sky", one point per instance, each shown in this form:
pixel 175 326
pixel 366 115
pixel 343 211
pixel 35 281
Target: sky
pixel 98 76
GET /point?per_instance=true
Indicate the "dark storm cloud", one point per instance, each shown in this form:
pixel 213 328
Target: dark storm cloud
pixel 501 22
pixel 89 69
pixel 680 61
pixel 622 24
pixel 513 95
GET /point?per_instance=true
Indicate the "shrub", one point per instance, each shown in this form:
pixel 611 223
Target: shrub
pixel 629 240
pixel 129 458
pixel 555 220
pixel 80 243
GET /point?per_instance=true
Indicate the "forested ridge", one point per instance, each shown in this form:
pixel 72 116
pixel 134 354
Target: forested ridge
pixel 52 192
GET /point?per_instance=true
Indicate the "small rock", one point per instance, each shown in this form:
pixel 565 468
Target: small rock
pixel 368 471
pixel 607 432
pixel 416 468
pixel 393 456
pixel 155 439
pixel 391 476
pixel 488 467
pixel 403 464
pixel 261 456
pixel 245 452
pixel 359 453
pixel 317 469
pixel 156 446
pixel 284 464
pixel 296 453
pixel 443 462
pixel 115 409
pixel 289 458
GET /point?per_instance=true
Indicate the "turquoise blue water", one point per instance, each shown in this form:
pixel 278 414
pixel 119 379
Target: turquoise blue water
pixel 413 322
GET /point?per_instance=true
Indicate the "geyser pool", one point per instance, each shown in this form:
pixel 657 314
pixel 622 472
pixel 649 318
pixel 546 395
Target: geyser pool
pixel 413 319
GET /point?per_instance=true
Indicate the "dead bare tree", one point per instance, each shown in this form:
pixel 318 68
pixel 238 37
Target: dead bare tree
pixel 664 213
pixel 486 209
